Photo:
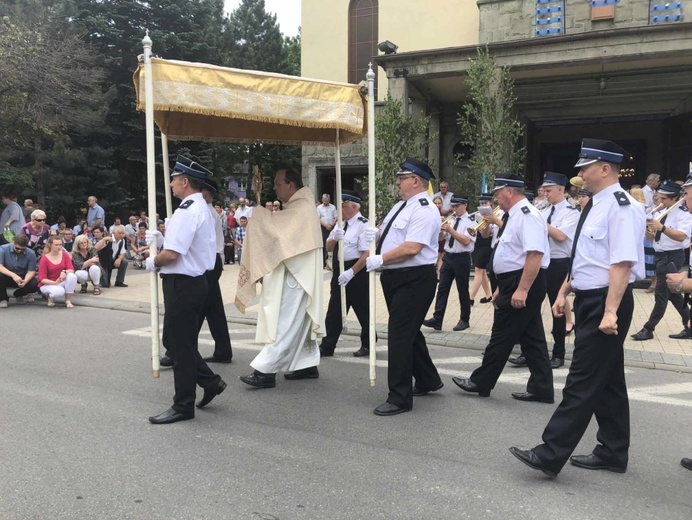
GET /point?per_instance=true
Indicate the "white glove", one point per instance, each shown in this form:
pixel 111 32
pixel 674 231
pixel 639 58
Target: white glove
pixel 148 237
pixel 374 262
pixel 149 263
pixel 338 233
pixel 370 234
pixel 346 277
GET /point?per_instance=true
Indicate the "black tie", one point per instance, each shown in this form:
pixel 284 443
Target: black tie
pixel 582 218
pixel 335 253
pixel 505 218
pixel 378 249
pixel 451 238
pixel 660 232
pixel 550 217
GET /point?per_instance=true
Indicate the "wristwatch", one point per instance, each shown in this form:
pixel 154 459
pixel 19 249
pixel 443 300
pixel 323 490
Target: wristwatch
pixel 678 286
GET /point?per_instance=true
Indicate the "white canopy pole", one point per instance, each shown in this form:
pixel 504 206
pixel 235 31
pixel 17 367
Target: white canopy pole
pixel 166 176
pixel 151 195
pixel 372 215
pixel 337 163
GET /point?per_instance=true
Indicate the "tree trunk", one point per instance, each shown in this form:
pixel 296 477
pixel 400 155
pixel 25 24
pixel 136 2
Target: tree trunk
pixel 39 175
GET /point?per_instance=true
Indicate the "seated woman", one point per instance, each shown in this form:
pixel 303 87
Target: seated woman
pixel 86 264
pixel 37 230
pixel 140 248
pixel 56 276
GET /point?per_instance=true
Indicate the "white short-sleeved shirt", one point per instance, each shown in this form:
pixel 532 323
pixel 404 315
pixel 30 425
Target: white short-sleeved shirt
pixel 612 233
pixel 243 212
pixel 446 200
pixel 418 222
pixel 679 219
pixel 465 222
pixel 648 197
pixel 327 213
pixel 191 233
pixel 525 231
pixel 216 218
pixel 565 218
pixel 354 242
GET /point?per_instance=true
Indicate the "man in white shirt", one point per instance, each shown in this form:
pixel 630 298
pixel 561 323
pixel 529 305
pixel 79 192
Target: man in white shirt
pixel 327 213
pixel 120 247
pixel 652 183
pixel 243 210
pixel 446 197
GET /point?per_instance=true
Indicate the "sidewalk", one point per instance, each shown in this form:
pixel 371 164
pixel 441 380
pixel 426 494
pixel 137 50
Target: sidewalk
pixel 660 352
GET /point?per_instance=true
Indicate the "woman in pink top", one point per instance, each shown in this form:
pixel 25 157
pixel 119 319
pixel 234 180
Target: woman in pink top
pixel 56 276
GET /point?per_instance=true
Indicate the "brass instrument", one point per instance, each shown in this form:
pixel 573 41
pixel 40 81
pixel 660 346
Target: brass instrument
pixel 663 214
pixel 473 231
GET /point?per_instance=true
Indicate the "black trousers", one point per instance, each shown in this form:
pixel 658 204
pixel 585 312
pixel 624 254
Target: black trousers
pixel 595 386
pixel 357 297
pixel 512 326
pixel 183 298
pixel 229 251
pixel 455 267
pixel 325 235
pixel 408 293
pixel 661 293
pixel 555 277
pixel 215 314
pixel 120 277
pixel 6 281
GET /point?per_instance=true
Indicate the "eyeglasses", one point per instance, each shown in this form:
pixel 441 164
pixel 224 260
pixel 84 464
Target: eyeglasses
pixel 40 220
pixel 406 176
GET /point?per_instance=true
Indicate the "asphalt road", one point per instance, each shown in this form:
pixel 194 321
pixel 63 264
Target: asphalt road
pixel 76 390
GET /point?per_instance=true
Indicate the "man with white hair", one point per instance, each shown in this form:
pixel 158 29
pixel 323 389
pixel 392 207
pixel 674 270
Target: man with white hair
pixel 446 197
pixel 653 181
pixel 327 213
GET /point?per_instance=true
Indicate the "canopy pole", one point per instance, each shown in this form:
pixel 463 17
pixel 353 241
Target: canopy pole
pixel 151 196
pixel 372 216
pixel 166 176
pixel 337 163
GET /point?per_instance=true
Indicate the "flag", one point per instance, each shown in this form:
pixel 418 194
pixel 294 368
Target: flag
pixel 484 184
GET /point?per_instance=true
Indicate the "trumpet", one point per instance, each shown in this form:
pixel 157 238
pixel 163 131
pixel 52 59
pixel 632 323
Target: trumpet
pixel 473 231
pixel 662 215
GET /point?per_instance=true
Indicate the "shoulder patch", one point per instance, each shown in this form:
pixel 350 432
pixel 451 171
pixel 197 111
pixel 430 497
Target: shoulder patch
pixel 187 204
pixel 424 202
pixel 683 207
pixel 362 219
pixel 621 198
pixel 572 207
pixel 525 210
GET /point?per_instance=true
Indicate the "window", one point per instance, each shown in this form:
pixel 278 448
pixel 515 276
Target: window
pixel 362 38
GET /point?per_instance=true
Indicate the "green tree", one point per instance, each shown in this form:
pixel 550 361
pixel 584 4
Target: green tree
pixel 293 48
pixel 488 125
pixel 398 136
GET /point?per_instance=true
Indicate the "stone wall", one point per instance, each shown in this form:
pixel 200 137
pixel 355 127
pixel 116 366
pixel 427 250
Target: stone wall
pixel 508 20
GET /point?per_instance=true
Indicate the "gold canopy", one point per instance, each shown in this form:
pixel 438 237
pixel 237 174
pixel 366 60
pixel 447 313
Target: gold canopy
pixel 195 101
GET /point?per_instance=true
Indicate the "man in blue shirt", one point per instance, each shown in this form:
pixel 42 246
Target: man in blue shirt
pixel 17 269
pixel 96 215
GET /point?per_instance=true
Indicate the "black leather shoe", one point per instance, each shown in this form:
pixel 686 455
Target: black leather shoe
pixel 259 380
pixel 591 461
pixel 557 362
pixel 519 361
pixel 470 386
pixel 432 324
pixel 170 416
pixel 462 325
pixel 305 373
pixel 210 393
pixel 362 351
pixel 212 359
pixel 166 362
pixel 529 458
pixel 686 463
pixel 486 300
pixel 326 352
pixel 417 392
pixel 390 409
pixel 643 335
pixel 528 396
pixel 684 334
pixel 120 284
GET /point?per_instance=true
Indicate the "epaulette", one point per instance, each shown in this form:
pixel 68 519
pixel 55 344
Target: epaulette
pixel 424 202
pixel 683 207
pixel 525 210
pixel 572 207
pixel 186 204
pixel 362 219
pixel 622 199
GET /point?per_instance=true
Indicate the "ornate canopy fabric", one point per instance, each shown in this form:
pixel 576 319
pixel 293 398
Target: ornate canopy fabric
pixel 195 101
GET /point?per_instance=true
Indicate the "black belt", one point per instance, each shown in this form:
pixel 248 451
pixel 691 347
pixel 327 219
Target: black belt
pixel 599 291
pixel 511 274
pixel 408 269
pixel 462 253
pixel 668 252
pixel 559 260
pixel 172 275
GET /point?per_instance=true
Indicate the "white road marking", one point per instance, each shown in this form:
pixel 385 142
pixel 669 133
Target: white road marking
pixel 659 394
